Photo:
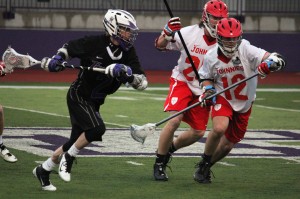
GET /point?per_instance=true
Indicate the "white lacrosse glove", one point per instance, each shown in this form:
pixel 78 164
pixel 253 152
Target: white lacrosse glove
pixel 139 82
pixel 274 62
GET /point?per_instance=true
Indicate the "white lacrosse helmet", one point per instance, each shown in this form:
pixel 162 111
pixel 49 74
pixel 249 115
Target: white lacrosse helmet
pixel 117 21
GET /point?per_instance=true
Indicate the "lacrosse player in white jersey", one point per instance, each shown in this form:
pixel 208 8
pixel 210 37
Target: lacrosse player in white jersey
pixel 184 86
pixel 231 61
pixel 4 152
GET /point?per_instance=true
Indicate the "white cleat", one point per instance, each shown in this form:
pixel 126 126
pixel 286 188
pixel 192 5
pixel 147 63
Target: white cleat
pixel 6 155
pixel 65 167
pixel 43 176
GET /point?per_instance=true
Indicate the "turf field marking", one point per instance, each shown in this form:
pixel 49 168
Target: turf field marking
pixel 226 164
pixel 34 111
pixel 295 160
pixel 118 143
pixel 134 163
pixel 122 116
pixel 275 108
pixel 57 115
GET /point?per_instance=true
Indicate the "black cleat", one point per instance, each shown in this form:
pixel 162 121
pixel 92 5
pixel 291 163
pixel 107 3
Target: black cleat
pixel 43 176
pixel 160 172
pixel 203 172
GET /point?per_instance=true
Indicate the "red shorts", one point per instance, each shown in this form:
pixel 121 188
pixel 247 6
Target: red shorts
pixel 238 122
pixel 180 96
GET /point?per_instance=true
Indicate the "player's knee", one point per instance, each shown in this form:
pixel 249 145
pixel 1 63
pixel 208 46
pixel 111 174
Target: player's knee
pixel 95 134
pixel 175 122
pixel 198 133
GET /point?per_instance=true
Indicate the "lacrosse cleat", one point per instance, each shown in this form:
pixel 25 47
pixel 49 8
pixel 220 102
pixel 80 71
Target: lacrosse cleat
pixel 43 176
pixel 65 167
pixel 160 172
pixel 6 155
pixel 203 172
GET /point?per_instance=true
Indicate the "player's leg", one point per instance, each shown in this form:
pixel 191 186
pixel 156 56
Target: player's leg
pixel 164 143
pixel 221 117
pixel 4 152
pixel 178 98
pixel 234 134
pixel 86 118
pixel 197 118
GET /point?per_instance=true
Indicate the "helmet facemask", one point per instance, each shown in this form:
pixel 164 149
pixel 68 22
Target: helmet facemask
pixel 229 36
pixel 121 26
pixel 126 36
pixel 210 23
pixel 229 45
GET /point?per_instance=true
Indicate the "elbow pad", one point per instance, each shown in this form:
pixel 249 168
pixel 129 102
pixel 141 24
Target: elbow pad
pixel 63 52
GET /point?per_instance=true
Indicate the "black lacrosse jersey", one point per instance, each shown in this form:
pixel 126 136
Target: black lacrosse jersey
pixel 99 51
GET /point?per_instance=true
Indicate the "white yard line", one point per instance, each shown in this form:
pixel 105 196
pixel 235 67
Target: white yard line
pixel 275 108
pixel 57 115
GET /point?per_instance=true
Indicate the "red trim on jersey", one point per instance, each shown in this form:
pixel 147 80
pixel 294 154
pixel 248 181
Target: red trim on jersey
pixel 208 40
pixel 222 57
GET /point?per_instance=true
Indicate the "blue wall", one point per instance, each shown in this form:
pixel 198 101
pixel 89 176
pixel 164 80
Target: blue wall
pixel 42 43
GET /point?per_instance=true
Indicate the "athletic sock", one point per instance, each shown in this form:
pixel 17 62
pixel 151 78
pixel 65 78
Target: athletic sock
pixel 48 165
pixel 159 158
pixel 73 151
pixel 1 141
pixel 172 148
pixel 206 158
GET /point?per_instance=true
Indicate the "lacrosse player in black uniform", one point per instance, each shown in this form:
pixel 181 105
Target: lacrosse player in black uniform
pixel 4 152
pixel 113 51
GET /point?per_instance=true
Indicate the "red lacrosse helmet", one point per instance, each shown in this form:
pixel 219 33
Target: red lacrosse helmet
pixel 229 35
pixel 213 11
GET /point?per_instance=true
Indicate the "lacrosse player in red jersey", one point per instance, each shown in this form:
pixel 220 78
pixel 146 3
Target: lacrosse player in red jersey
pixel 231 61
pixel 184 86
pixel 113 51
pixel 4 152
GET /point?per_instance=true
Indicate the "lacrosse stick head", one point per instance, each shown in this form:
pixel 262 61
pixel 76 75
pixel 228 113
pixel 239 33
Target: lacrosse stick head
pixel 12 60
pixel 140 133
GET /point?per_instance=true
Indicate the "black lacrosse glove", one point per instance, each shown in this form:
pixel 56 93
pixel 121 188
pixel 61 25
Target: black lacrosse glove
pixel 209 90
pixel 121 72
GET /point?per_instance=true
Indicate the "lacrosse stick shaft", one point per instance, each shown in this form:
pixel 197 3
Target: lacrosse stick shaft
pixel 102 70
pixel 183 43
pixel 198 103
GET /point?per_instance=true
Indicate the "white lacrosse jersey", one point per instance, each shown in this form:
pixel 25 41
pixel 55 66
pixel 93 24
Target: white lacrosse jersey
pixel 197 45
pixel 226 72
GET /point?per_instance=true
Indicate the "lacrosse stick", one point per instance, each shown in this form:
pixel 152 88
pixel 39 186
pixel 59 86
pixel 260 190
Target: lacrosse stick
pixel 66 65
pixel 140 133
pixel 183 43
pixel 13 60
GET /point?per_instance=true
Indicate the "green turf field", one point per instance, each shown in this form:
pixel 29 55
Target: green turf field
pixel 121 176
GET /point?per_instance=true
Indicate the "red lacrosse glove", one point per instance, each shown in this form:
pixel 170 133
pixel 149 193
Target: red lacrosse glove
pixel 2 66
pixel 171 27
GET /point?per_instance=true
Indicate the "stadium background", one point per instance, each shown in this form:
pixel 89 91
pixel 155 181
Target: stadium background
pixel 40 27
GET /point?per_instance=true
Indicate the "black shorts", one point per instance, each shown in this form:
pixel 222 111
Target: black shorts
pixel 84 114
